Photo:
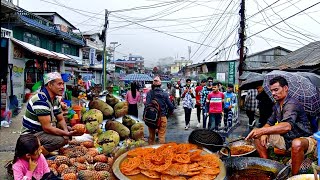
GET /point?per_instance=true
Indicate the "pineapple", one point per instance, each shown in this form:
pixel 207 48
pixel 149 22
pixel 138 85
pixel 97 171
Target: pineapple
pixel 99 166
pixel 100 158
pixel 72 161
pixel 88 175
pixel 80 166
pixel 75 153
pixel 54 171
pixel 54 165
pixel 74 142
pixel 83 149
pixel 69 176
pixel 110 161
pixel 62 160
pixel 88 144
pixel 80 128
pixel 88 158
pixel 50 162
pixel 92 153
pixel 61 168
pixel 81 159
pixel 69 170
pixel 104 175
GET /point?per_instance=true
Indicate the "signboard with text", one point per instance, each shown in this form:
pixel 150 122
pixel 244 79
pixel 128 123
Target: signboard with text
pixel 231 74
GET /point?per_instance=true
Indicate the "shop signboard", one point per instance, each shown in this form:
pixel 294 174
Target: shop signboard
pixel 92 56
pixel 231 74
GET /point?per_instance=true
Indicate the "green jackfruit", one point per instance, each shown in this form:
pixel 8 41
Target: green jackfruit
pixel 106 110
pixel 92 127
pixel 128 121
pixel 111 100
pixel 108 136
pixel 123 131
pixel 107 148
pixel 137 131
pixel 92 115
pixel 121 109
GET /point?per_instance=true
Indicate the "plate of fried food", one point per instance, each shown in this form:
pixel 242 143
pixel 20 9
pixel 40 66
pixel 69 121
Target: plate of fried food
pixel 239 148
pixel 169 161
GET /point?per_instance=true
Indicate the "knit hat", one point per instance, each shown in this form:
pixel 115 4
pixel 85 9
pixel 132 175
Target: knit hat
pixel 157 81
pixel 51 76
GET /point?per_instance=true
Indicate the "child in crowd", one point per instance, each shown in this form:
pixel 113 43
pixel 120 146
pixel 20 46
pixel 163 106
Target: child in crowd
pixel 215 103
pixel 29 163
pixel 229 103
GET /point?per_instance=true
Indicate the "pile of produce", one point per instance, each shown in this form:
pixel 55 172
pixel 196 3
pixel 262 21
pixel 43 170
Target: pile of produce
pixel 92 160
pixel 81 161
pixel 171 161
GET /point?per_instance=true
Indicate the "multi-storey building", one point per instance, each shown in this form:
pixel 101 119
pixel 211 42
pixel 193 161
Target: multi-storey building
pixel 40 42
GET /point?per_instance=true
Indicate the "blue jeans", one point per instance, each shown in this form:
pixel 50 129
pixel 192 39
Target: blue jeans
pixel 204 118
pixel 214 121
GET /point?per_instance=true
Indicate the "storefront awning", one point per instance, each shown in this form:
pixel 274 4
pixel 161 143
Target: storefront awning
pixel 40 51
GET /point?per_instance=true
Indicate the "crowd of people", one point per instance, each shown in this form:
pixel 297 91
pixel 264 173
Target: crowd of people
pixel 283 124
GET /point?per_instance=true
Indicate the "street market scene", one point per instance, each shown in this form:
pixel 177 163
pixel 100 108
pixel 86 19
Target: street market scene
pixel 160 89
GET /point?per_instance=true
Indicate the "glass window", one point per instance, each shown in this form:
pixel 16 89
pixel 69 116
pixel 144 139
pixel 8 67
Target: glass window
pixel 66 49
pixel 31 39
pixel 50 45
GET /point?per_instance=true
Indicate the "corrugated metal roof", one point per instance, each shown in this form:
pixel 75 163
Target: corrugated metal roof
pixel 308 55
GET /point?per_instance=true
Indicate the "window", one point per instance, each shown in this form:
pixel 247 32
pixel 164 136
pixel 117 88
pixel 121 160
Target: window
pixel 50 45
pixel 31 39
pixel 66 49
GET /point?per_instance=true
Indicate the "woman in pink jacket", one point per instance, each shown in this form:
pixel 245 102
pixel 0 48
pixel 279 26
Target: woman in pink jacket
pixel 133 97
pixel 29 163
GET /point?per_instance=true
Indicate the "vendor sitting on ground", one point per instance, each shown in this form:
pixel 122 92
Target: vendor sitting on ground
pixel 293 130
pixel 44 118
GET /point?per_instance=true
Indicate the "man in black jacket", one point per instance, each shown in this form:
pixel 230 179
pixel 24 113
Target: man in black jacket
pixel 265 105
pixel 166 106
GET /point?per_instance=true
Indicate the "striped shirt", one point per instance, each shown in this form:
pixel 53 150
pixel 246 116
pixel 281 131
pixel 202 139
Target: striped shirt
pixel 39 105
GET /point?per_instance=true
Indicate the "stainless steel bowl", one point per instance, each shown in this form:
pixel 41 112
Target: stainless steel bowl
pixel 239 143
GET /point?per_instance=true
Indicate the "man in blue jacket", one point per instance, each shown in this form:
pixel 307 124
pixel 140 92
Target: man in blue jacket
pixel 166 107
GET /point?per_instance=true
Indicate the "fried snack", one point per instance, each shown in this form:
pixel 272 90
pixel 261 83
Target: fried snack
pixel 169 177
pixel 130 164
pixel 151 174
pixel 182 158
pixel 133 172
pixel 171 161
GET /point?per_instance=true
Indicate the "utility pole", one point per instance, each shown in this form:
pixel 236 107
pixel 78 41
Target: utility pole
pixel 241 43
pixel 104 34
pixel 242 37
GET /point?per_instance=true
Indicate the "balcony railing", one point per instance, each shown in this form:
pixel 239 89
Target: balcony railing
pixel 34 17
pixel 44 24
pixel 6 33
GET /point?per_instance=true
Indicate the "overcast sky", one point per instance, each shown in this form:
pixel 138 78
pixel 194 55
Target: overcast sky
pixel 158 29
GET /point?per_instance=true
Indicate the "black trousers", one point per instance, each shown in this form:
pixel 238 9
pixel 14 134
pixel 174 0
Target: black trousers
pixel 250 115
pixel 198 112
pixel 133 110
pixel 187 115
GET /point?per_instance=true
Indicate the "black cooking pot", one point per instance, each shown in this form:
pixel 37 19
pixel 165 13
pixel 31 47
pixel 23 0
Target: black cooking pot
pixel 234 164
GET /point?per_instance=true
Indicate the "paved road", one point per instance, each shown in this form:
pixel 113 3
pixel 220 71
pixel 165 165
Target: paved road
pixel 175 132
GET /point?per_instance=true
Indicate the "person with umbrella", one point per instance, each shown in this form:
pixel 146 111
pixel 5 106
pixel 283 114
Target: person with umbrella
pixel 292 131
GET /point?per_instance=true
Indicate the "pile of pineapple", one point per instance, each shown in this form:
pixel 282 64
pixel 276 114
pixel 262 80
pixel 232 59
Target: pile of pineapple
pixel 81 161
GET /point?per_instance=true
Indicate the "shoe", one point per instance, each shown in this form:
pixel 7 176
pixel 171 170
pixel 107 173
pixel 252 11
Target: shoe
pixel 186 128
pixel 198 125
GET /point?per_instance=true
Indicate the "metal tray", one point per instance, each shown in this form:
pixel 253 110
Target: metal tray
pixel 239 143
pixel 119 175
pixel 303 177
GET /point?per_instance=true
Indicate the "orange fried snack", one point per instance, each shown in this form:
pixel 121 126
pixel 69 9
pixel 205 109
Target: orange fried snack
pixel 171 161
pixel 182 158
pixel 130 164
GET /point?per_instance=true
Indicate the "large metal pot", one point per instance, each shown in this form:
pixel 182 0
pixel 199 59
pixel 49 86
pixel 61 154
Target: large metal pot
pixel 233 164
